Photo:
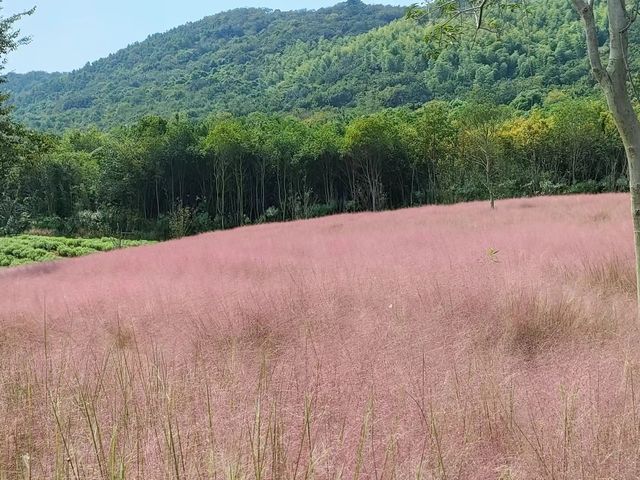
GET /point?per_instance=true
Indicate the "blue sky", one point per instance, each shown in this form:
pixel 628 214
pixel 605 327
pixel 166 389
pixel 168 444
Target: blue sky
pixel 66 34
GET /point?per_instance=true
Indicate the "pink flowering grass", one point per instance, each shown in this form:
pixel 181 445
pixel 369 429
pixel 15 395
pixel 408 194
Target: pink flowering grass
pixel 432 343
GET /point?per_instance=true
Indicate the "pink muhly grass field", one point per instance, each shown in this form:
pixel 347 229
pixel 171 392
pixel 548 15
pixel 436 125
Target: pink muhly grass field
pixel 440 342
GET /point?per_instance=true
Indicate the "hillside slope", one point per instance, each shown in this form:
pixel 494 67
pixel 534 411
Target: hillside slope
pixel 388 67
pixel 488 344
pixel 220 62
pixel 351 56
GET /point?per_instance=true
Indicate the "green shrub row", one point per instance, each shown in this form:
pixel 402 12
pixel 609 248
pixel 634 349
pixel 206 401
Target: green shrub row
pixel 23 249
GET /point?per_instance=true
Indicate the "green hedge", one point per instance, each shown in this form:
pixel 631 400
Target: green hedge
pixel 23 249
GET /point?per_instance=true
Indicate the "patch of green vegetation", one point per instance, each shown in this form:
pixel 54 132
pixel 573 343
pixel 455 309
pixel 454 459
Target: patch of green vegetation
pixel 23 249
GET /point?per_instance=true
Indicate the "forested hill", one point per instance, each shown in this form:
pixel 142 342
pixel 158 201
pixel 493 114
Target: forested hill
pixel 222 62
pixel 353 56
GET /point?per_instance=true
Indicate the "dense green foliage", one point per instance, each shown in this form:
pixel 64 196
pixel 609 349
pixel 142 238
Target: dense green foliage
pixel 498 128
pixel 223 62
pixel 352 56
pixel 24 249
pixel 162 178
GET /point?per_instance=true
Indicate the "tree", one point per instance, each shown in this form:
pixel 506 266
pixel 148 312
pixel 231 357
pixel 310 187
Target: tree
pixel 369 143
pixel 479 126
pixel 10 39
pixel 281 148
pixel 227 143
pixel 451 21
pixel 14 140
pixel 527 139
pixel 435 139
pixel 576 130
pixel 322 152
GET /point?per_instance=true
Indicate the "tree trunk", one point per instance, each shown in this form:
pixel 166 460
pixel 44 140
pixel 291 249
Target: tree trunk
pixel 326 181
pixel 413 178
pixel 613 81
pixel 239 174
pixel 492 200
pixel 157 199
pixel 261 196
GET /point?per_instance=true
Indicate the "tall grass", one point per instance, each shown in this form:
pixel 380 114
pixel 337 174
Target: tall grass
pixel 434 343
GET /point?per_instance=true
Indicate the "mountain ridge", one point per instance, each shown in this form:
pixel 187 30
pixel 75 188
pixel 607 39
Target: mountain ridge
pixel 199 49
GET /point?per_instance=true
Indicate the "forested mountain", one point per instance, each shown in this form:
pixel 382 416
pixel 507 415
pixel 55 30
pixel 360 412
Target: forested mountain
pixel 353 56
pixel 223 62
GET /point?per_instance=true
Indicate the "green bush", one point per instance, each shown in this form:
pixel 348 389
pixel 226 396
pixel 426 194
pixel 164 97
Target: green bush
pixel 589 186
pixel 23 249
pixel 322 210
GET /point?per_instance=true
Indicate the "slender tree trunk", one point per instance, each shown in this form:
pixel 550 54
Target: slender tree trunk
pixel 157 198
pixel 489 185
pixel 613 81
pixel 218 185
pixel 287 189
pixel 239 174
pixel 256 199
pixel 613 173
pixel 222 198
pixel 534 163
pixel 411 190
pixel 263 174
pixel 325 178
pixel 351 175
pixel 144 204
pixel 280 197
pixel 173 187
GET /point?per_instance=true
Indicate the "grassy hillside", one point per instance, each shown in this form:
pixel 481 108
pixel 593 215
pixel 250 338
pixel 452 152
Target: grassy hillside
pixel 351 56
pixel 426 343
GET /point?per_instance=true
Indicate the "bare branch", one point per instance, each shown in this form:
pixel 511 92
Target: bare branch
pixel 479 13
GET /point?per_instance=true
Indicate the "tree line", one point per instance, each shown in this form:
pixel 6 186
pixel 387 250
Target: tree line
pixel 168 177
